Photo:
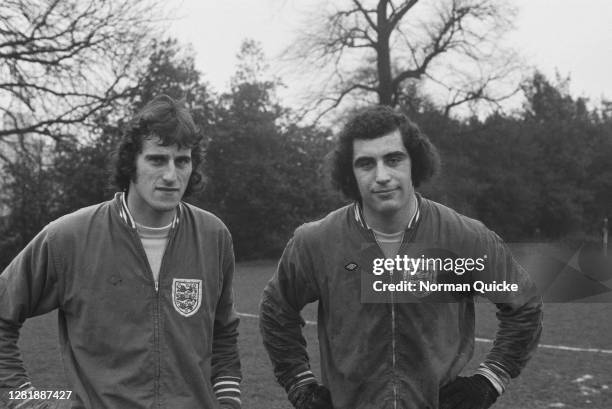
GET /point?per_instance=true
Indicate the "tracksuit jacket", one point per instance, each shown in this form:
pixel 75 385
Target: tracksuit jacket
pixel 126 341
pixel 396 353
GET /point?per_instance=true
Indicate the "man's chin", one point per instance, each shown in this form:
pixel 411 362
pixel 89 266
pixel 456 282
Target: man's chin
pixel 165 206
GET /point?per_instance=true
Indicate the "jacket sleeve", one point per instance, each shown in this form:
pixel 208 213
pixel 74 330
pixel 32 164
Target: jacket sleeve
pixel 226 373
pixel 519 315
pixel 28 287
pixel 290 289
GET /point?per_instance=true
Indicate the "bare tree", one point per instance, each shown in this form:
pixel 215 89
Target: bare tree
pixel 62 61
pixel 376 48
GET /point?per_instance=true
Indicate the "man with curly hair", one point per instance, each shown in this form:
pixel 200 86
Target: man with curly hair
pixel 143 285
pixel 395 350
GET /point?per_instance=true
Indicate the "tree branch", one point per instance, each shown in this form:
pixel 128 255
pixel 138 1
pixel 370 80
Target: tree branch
pixel 366 15
pixel 398 14
pixel 439 45
pixel 338 99
pixel 462 30
pixel 67 59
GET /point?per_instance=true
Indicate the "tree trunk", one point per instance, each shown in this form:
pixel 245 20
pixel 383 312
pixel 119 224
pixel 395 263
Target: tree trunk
pixel 383 62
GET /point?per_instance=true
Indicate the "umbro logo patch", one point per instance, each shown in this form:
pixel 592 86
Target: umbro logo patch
pixel 351 266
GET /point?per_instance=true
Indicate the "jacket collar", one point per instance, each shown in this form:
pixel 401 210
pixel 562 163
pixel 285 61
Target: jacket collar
pixel 126 216
pixel 360 219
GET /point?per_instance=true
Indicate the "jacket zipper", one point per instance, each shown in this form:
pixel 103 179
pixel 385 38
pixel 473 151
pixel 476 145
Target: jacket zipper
pixel 393 350
pixel 158 306
pixel 405 239
pixel 393 353
pixel 156 317
pixel 156 324
pixel 408 236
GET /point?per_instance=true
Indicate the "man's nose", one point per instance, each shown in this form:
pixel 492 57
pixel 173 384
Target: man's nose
pixel 382 174
pixel 169 174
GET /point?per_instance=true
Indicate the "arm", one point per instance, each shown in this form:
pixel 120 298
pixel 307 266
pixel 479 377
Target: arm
pixel 520 327
pixel 290 289
pixel 519 315
pixel 28 287
pixel 226 375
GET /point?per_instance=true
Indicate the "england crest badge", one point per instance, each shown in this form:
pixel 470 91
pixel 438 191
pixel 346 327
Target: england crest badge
pixel 186 296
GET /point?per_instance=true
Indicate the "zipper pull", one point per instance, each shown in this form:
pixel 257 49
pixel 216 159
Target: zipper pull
pixel 156 286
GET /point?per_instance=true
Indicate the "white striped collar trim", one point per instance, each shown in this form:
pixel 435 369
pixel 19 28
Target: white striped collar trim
pixel 359 218
pixel 125 214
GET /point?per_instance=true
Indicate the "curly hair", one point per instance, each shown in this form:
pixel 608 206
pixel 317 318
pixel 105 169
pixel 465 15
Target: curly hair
pixel 374 122
pixel 171 122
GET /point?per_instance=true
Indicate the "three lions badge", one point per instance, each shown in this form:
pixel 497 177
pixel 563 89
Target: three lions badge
pixel 186 296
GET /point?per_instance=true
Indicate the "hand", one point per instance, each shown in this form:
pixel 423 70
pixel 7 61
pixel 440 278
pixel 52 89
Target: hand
pixel 472 392
pixel 311 396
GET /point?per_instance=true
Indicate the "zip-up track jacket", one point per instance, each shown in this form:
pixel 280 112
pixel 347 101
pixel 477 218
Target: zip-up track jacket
pixel 390 354
pixel 124 342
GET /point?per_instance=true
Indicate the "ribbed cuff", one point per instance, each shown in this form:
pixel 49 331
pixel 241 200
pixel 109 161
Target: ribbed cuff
pixel 498 376
pixel 301 379
pixel 227 390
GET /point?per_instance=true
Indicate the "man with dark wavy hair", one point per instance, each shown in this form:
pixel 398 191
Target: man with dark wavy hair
pixel 399 349
pixel 143 284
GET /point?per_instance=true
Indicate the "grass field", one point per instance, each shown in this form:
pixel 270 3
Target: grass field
pixel 553 379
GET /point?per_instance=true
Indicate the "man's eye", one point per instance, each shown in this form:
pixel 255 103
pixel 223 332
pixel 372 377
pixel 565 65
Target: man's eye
pixel 394 160
pixel 183 161
pixel 156 161
pixel 364 164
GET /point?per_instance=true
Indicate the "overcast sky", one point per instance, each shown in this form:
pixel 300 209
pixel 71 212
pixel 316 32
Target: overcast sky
pixel 571 36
